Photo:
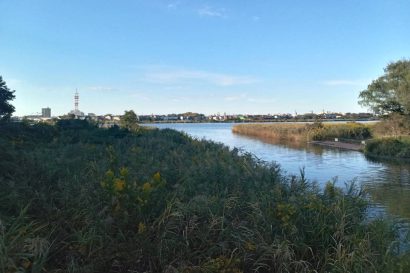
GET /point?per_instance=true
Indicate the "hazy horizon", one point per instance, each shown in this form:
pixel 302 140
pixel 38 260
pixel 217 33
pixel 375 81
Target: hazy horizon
pixel 161 57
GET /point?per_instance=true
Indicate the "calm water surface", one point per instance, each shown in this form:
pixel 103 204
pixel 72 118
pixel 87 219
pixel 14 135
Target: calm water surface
pixel 387 182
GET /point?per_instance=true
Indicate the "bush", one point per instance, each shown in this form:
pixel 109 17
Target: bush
pixel 389 147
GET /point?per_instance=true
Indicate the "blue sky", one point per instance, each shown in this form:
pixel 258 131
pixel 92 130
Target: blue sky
pixel 236 56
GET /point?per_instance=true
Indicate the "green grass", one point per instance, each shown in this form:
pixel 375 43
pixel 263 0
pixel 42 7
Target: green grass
pixel 389 147
pixel 75 198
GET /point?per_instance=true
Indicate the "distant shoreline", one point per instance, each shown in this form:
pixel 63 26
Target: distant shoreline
pixel 267 121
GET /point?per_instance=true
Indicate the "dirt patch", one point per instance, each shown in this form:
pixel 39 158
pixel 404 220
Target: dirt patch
pixel 341 145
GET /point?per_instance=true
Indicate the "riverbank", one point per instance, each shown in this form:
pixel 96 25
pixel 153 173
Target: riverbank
pixel 340 145
pixel 93 200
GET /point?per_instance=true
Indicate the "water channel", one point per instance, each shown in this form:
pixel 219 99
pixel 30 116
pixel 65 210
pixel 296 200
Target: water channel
pixel 387 182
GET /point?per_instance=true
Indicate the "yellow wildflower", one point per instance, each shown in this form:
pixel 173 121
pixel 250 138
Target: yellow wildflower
pixel 119 184
pixel 123 171
pixel 141 228
pixel 285 212
pixel 250 246
pixel 157 177
pixel 146 186
pixel 109 174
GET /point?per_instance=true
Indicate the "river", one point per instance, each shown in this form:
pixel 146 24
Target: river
pixel 388 183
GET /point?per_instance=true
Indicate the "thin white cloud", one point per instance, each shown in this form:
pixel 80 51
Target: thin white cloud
pixel 235 98
pixel 181 76
pixel 140 96
pixel 173 5
pixel 180 99
pixel 346 82
pixel 255 18
pixel 261 100
pixel 101 88
pixel 211 12
pixel 245 97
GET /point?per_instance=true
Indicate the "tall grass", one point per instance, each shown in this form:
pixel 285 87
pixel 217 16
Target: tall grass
pixel 75 198
pixel 394 125
pixel 277 131
pixel 305 132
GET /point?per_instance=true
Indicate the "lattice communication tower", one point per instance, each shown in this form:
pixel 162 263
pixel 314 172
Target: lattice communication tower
pixel 76 100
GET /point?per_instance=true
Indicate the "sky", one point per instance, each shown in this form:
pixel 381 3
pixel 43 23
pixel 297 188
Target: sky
pixel 175 56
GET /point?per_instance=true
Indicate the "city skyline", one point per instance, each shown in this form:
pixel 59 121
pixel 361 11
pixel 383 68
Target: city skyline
pixel 76 111
pixel 201 56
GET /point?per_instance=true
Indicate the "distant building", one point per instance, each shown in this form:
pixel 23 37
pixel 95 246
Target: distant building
pixel 36 118
pixel 46 112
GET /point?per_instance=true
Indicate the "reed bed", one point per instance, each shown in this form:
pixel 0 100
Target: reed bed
pixel 303 132
pixel 277 131
pixel 75 198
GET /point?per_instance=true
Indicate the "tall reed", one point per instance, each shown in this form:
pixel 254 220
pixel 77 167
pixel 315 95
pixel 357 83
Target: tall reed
pixel 302 132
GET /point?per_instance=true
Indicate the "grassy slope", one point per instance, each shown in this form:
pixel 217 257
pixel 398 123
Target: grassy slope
pixel 75 198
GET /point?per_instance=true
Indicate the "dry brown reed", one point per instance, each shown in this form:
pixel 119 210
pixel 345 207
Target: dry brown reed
pixel 304 132
pixel 278 131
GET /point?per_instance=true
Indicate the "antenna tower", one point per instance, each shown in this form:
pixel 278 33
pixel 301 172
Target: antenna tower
pixel 76 99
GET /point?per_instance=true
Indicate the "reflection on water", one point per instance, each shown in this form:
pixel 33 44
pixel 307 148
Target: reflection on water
pixel 391 187
pixel 316 149
pixel 387 182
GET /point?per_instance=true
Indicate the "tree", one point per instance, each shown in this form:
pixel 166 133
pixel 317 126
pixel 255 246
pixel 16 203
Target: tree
pixel 6 95
pixel 129 120
pixel 389 93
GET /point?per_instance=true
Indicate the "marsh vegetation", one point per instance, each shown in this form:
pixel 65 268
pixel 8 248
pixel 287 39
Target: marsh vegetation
pixel 75 198
pixel 305 131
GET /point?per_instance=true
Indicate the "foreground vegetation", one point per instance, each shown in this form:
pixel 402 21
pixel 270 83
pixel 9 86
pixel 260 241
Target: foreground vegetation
pixel 75 198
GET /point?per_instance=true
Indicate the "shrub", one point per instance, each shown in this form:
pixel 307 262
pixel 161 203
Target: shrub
pixel 390 147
